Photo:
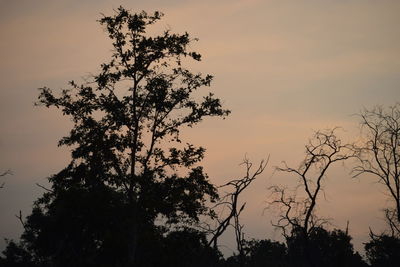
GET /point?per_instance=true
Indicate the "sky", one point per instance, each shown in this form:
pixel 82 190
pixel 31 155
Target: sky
pixel 284 68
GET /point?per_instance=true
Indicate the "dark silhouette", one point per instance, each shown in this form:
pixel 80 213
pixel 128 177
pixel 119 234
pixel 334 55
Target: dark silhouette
pixel 129 166
pixel 326 248
pixel 260 253
pixel 383 250
pixel 298 214
pixel 379 155
pixel 230 201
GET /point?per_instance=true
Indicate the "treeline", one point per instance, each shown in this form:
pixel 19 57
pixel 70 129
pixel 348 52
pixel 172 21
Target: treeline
pixel 86 229
pixel 134 193
pixel 188 247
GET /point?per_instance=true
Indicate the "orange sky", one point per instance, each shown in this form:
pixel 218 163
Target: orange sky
pixel 284 68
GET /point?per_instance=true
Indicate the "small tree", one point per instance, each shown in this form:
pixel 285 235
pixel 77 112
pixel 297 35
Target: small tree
pixel 125 143
pixel 230 201
pixel 380 154
pixel 298 214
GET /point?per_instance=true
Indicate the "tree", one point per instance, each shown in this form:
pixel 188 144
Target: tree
pixel 327 248
pixel 298 214
pixel 265 253
pixel 260 253
pixel 383 250
pixel 126 147
pixel 230 201
pixel 380 154
pixel 189 247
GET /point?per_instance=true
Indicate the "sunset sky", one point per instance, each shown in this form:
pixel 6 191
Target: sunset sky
pixel 284 68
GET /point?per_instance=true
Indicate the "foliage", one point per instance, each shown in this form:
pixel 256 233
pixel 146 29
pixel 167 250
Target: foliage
pixel 189 248
pixel 17 256
pixel 383 250
pixel 129 165
pixel 327 248
pixel 124 123
pixel 265 253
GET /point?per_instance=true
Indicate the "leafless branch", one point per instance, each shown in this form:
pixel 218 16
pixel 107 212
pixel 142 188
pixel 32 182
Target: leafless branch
pixel 19 216
pixel 230 201
pixel 379 153
pixel 323 150
pixel 298 214
pixel 391 220
pixel 45 188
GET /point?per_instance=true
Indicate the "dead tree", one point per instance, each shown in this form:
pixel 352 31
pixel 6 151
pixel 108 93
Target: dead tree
pixel 380 154
pixel 231 201
pixel 297 208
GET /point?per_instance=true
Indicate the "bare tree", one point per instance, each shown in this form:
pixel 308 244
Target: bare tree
pixel 298 208
pixel 230 201
pixel 380 154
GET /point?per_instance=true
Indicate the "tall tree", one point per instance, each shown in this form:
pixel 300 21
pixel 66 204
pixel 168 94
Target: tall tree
pixel 298 212
pixel 380 154
pixel 126 142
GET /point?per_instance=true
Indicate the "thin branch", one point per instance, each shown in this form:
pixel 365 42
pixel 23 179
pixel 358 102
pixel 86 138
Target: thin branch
pixel 45 188
pixel 20 219
pixel 230 200
pixel 379 155
pixel 323 150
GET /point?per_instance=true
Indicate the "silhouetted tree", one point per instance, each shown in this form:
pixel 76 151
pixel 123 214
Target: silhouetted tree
pixel 383 250
pixel 265 253
pixel 326 248
pixel 17 256
pixel 189 247
pixel 380 154
pixel 230 201
pixel 298 212
pixel 129 165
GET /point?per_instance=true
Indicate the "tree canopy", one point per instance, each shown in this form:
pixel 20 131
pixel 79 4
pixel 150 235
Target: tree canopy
pixel 129 165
